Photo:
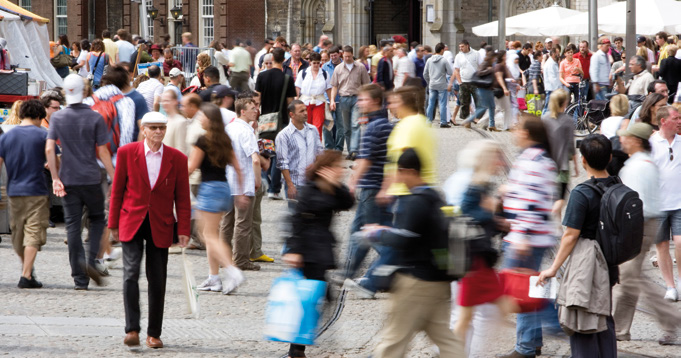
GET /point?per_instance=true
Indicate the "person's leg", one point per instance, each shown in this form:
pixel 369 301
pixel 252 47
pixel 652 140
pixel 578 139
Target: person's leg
pixel 442 101
pixel 403 321
pixel 73 210
pixel 675 220
pixel 225 235
pixel 243 226
pixel 466 92
pixel 338 126
pixel 94 200
pixel 486 99
pixel 356 252
pixel 354 121
pixel 546 102
pixel 34 230
pixel 318 118
pixel 664 258
pixel 275 177
pixel 480 108
pixel 17 221
pixel 157 273
pixel 132 260
pixel 438 300
pixel 430 109
pixel 256 235
pixel 345 119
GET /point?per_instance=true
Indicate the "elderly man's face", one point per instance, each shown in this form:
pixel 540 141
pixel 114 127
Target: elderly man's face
pixel 633 65
pixel 154 133
pixel 295 52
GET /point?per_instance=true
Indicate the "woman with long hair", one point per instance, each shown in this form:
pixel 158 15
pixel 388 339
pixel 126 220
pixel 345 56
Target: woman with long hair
pixel 485 95
pixel 363 55
pixel 64 42
pixel 202 62
pixel 212 153
pixel 13 118
pixel 309 247
pixel 561 132
pixel 97 59
pixel 222 60
pixel 647 112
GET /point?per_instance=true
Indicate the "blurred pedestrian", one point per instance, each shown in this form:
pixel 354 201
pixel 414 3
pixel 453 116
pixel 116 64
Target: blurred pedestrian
pixel 176 128
pixel 484 99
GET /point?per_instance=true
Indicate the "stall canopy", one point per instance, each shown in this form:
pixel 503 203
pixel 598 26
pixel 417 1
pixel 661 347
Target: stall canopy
pixel 28 46
pixel 528 23
pixel 7 6
pixel 652 16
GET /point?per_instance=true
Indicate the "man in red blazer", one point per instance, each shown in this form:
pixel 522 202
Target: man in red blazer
pixel 150 180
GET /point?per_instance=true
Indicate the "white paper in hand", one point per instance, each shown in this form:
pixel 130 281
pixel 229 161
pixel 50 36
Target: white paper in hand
pixel 189 287
pixel 548 291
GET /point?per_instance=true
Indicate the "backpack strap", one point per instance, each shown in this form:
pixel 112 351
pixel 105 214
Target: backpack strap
pixel 600 188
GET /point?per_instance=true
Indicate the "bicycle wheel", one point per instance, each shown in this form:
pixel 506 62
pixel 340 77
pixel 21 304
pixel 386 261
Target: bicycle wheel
pixel 583 127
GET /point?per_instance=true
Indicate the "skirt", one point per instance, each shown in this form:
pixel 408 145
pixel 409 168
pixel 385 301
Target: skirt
pixel 480 285
pixel 214 197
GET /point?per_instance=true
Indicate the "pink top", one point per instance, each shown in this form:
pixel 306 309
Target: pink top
pixel 153 163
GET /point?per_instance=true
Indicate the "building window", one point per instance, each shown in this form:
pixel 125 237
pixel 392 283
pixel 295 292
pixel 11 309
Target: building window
pixel 150 24
pixel 207 30
pixel 26 4
pixel 60 17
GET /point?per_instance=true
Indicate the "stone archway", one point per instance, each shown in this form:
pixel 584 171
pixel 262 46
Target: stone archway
pixel 313 18
pixel 522 6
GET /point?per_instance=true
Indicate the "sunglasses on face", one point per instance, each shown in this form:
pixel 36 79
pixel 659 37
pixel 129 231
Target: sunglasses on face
pixel 156 128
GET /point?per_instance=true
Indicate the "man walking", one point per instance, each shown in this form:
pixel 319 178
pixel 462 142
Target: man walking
pixel 22 150
pixel 599 70
pixel 329 141
pixel 641 175
pixel 346 81
pixel 151 180
pixel 83 136
pixel 666 146
pixel 237 224
pixel 152 89
pixel 551 76
pixel 295 64
pixel 125 48
pixel 404 68
pixel 240 64
pixel 297 147
pixel 466 64
pixel 436 72
pixel 385 72
pixel 272 85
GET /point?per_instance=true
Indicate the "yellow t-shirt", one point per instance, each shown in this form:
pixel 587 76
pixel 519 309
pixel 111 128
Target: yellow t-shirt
pixel 412 132
pixel 375 58
pixel 111 49
pixel 663 54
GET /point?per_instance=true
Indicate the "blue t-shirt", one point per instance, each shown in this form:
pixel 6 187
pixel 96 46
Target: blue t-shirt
pixel 140 110
pixel 23 150
pixel 374 148
pixel 99 71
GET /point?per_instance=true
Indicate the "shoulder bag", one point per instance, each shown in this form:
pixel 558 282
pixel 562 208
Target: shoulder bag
pixel 269 124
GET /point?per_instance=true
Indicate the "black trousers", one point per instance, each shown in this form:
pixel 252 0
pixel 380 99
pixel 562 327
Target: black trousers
pixel 311 272
pixel 597 345
pixel 157 272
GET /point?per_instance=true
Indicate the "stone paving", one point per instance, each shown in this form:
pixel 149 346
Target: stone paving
pixel 58 321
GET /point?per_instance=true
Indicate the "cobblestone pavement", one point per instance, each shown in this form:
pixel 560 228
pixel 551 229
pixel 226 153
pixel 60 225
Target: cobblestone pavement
pixel 58 321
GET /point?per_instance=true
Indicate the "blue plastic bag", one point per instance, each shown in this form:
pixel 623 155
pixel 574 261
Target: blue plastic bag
pixel 294 307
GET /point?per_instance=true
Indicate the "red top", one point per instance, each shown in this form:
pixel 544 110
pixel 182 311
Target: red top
pixel 132 197
pixel 585 61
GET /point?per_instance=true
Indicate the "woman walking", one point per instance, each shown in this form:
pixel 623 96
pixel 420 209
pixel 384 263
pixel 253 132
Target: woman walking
pixel 311 87
pixel 485 95
pixel 212 153
pixel 97 59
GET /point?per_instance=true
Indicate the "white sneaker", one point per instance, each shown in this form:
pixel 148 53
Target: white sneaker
pixel 360 291
pixel 115 254
pixel 101 267
pixel 671 295
pixel 210 285
pixel 274 196
pixel 234 279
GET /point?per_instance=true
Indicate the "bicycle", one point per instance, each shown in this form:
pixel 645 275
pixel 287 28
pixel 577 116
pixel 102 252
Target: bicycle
pixel 575 110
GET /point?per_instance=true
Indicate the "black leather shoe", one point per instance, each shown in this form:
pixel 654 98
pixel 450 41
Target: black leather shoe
pixel 445 125
pixel 29 283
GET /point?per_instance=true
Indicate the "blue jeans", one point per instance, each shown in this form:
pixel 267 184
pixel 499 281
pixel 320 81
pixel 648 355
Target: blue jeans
pixel 441 98
pixel 529 325
pixel 329 141
pixel 546 102
pixel 349 130
pixel 600 95
pixel 273 177
pixel 485 102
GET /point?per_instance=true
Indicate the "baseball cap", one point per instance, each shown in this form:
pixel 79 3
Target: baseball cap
pixel 548 39
pixel 221 91
pixel 640 130
pixel 153 118
pixel 604 41
pixel 174 72
pixel 73 88
pixel 640 39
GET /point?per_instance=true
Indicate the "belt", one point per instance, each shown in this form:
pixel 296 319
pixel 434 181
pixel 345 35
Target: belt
pixel 354 95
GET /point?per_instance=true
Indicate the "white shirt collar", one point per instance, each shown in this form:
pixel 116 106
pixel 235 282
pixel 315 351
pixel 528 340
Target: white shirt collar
pixel 147 149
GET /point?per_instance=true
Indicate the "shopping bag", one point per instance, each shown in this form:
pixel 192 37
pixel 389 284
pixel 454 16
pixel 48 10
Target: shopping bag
pixel 535 104
pixel 189 287
pixel 522 104
pixel 294 307
pixel 516 284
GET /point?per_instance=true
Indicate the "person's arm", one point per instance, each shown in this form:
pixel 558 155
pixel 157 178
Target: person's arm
pixel 502 82
pixel 291 192
pixel 195 159
pixel 183 205
pixel 105 158
pixel 361 167
pixel 562 75
pixel 567 244
pixel 51 154
pixel 406 225
pixel 157 103
pixel 457 74
pixel 332 98
pixel 120 180
pixel 426 74
pixel 255 157
pixel 237 169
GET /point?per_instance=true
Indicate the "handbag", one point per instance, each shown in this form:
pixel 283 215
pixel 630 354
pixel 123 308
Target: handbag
pixel 484 81
pixel 498 92
pixel 268 124
pixel 516 284
pixel 535 104
pixel 61 60
pixel 463 232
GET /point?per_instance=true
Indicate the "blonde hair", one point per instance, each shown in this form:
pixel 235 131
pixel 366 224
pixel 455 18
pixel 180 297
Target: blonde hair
pixel 484 167
pixel 202 62
pixel 643 52
pixel 619 105
pixel 13 118
pixel 557 101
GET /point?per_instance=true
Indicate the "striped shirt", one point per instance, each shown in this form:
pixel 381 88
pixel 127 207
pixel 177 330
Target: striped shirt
pixel 374 148
pixel 529 198
pixel 535 71
pixel 245 145
pixel 297 149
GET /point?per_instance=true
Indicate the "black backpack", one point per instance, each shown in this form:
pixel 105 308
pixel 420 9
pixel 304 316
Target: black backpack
pixel 620 223
pixel 305 73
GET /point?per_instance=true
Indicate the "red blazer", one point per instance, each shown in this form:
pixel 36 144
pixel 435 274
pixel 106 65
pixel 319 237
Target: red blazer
pixel 132 196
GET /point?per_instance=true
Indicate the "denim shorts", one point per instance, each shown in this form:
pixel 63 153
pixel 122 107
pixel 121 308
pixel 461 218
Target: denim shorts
pixel 214 197
pixel 670 222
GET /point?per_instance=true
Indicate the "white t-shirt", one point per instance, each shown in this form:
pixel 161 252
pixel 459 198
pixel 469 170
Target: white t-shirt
pixel 227 115
pixel 150 89
pixel 125 51
pixel 467 63
pixel 313 87
pixel 245 145
pixel 82 72
pixel 404 68
pixel 610 125
pixel 670 170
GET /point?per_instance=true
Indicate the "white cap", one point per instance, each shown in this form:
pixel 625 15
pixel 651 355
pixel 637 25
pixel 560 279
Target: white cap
pixel 73 88
pixel 548 39
pixel 154 118
pixel 174 72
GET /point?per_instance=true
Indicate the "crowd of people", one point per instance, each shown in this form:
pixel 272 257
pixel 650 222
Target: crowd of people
pixel 131 156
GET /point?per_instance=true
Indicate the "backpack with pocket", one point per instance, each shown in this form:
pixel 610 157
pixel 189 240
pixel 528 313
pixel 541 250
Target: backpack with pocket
pixel 464 233
pixel 620 222
pixel 107 109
